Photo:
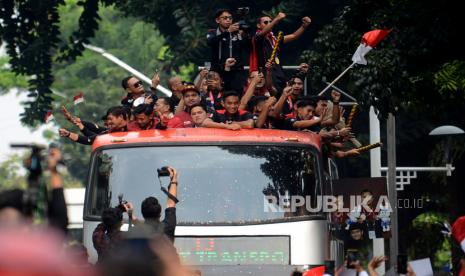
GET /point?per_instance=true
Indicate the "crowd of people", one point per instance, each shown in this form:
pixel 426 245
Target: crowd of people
pixel 222 96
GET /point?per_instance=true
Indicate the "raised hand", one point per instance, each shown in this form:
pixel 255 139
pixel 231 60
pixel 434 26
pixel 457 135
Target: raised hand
pixel 66 113
pixel 155 80
pixel 281 16
pixel 306 21
pixel 335 96
pixel 233 28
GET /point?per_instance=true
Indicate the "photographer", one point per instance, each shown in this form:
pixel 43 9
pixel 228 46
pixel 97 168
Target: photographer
pixel 107 234
pixel 151 208
pixel 32 203
pixel 228 41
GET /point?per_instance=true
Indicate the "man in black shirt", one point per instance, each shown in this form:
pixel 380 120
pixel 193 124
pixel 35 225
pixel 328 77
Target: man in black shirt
pixel 228 41
pixel 231 113
pixel 151 209
pixel 302 118
pixel 264 41
pixel 135 89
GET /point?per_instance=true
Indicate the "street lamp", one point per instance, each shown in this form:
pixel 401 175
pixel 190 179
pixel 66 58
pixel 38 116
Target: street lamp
pixel 126 67
pixel 447 131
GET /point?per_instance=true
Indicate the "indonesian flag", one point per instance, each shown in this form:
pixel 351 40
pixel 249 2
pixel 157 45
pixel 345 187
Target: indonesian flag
pixel 369 41
pixel 79 98
pixel 316 271
pixel 48 117
pixel 458 231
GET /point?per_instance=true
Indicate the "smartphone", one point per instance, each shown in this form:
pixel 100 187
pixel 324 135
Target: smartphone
pixel 207 65
pixel 402 264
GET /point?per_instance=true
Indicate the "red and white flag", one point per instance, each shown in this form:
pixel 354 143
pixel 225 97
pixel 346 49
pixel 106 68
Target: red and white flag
pixel 79 98
pixel 48 117
pixel 369 41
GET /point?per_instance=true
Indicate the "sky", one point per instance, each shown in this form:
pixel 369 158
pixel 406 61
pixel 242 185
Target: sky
pixel 11 130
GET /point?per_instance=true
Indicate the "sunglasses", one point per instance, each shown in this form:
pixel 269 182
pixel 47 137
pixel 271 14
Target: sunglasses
pixel 137 84
pixel 267 22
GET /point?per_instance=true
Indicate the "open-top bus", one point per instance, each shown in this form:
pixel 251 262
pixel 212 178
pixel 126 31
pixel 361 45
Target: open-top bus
pixel 225 180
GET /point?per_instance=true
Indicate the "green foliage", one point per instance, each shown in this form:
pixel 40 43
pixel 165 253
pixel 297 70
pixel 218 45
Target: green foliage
pixel 30 31
pixel 184 23
pixel 451 78
pixel 399 74
pixel 428 241
pixel 132 41
pixel 9 79
pixel 34 41
pixel 13 175
pixel 10 173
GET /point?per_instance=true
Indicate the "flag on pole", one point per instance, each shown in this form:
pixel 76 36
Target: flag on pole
pixel 79 98
pixel 369 41
pixel 48 117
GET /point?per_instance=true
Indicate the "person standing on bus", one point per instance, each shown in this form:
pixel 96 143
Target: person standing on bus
pixel 151 209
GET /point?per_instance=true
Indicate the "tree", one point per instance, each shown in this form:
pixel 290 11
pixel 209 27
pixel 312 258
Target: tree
pixel 9 79
pixel 30 30
pixel 133 41
pixel 399 74
pixel 34 41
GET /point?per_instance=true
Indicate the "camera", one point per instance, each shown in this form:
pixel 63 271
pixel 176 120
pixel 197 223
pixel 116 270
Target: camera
pixel 121 203
pixel 242 12
pixel 163 171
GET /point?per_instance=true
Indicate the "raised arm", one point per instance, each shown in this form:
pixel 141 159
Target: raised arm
pixel 273 23
pixel 278 107
pixel 173 187
pixel 180 107
pixel 295 35
pixel 200 77
pixel 57 212
pixel 264 113
pixel 335 115
pixel 269 79
pixel 249 93
pixel 76 137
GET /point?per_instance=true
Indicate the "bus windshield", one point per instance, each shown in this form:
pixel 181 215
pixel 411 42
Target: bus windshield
pixel 216 184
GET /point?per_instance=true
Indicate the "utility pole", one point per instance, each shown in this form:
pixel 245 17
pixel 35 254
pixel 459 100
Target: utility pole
pixel 392 191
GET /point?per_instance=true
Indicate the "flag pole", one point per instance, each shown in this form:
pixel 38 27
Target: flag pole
pixel 336 79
